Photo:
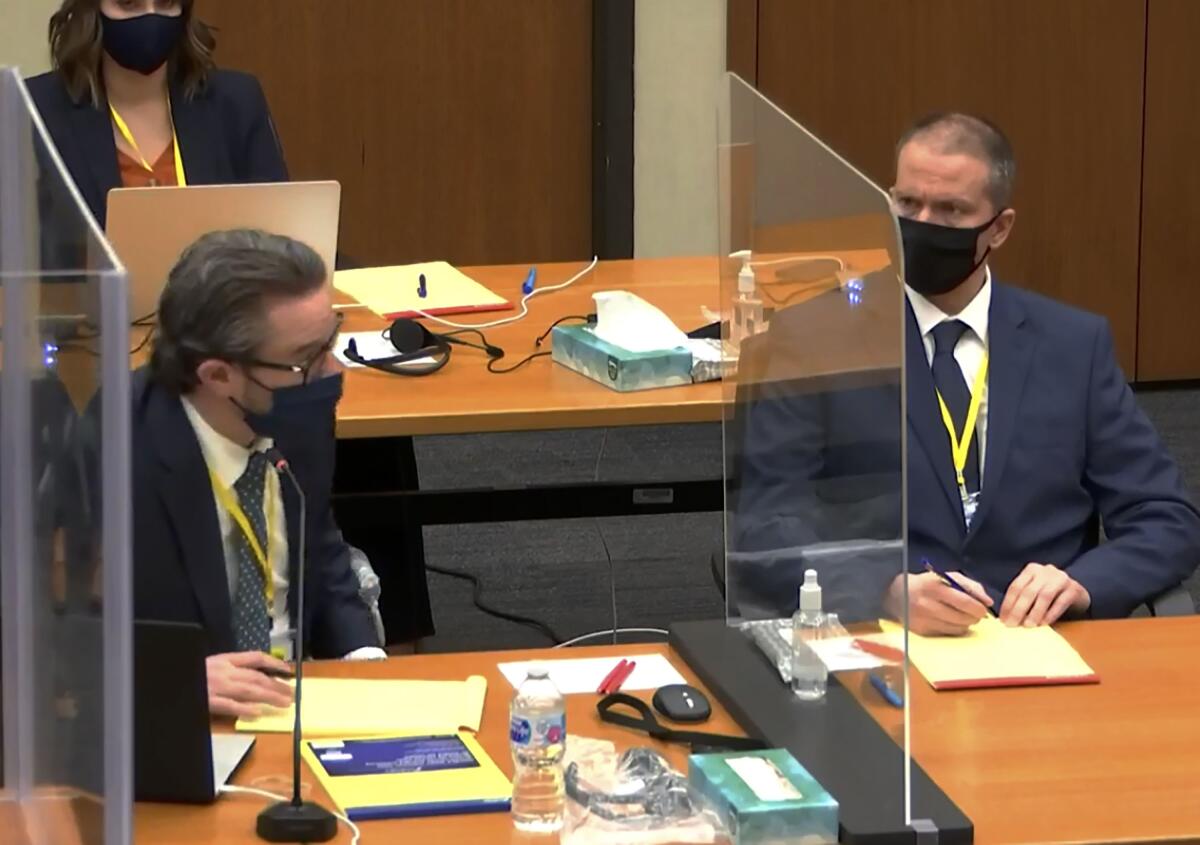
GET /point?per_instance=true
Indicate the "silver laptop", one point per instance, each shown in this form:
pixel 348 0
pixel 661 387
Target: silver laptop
pixel 150 227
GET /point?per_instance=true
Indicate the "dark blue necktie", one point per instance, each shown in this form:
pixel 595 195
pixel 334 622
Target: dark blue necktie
pixel 251 616
pixel 948 378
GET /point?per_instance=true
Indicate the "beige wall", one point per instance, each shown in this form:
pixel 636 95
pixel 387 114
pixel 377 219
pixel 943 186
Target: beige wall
pixel 23 34
pixel 679 55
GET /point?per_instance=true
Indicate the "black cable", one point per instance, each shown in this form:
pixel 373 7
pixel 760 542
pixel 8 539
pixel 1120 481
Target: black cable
pixel 492 368
pixel 142 344
pixel 542 337
pixel 78 347
pixel 477 599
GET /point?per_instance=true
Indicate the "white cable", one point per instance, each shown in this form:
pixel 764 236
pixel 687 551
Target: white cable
pixel 800 259
pixel 524 300
pixel 608 631
pixel 355 833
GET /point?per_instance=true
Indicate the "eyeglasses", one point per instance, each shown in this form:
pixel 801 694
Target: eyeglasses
pixel 305 369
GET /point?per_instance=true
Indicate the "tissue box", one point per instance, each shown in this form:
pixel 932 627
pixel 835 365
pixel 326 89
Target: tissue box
pixel 578 348
pixel 765 797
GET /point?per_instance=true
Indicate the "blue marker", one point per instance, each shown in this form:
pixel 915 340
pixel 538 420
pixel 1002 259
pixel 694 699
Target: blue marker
pixel 885 692
pixel 530 281
pixel 421 291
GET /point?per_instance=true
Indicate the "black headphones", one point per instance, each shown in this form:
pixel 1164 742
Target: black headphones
pixel 413 342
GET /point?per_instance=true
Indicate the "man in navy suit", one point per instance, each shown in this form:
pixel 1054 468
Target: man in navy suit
pixel 242 366
pixel 1051 444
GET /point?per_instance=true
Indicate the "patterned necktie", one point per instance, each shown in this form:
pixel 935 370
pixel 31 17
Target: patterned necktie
pixel 948 378
pixel 251 616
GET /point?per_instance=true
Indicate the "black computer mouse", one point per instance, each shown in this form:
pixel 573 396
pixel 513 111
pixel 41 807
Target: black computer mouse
pixel 682 703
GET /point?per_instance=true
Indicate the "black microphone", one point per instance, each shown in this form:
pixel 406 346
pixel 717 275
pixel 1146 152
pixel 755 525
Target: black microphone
pixel 296 820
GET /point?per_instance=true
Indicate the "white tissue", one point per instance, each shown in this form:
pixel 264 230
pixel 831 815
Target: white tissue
pixel 626 320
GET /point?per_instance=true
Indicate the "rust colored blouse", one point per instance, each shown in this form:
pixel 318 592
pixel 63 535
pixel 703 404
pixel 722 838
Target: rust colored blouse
pixel 133 175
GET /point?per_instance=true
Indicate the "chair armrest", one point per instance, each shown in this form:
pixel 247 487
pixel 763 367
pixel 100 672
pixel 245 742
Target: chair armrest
pixel 1176 601
pixel 368 588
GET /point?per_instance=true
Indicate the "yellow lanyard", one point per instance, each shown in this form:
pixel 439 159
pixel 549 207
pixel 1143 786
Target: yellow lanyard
pixel 960 447
pixel 123 128
pixel 230 503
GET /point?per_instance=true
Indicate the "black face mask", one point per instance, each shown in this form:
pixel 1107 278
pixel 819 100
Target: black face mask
pixel 141 44
pixel 303 412
pixel 937 259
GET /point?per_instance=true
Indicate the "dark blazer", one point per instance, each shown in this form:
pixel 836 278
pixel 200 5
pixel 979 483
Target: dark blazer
pixel 225 135
pixel 1068 451
pixel 179 559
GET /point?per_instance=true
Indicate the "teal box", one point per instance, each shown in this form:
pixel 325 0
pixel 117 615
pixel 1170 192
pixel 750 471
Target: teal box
pixel 578 348
pixel 765 797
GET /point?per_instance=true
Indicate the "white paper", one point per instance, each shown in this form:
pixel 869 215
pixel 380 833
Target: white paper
pixel 585 674
pixel 764 779
pixel 841 655
pixel 371 345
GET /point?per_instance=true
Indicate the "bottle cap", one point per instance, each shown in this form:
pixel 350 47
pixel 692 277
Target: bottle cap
pixel 810 592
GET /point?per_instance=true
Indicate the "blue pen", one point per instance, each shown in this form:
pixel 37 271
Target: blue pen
pixel 421 291
pixel 885 692
pixel 530 281
pixel 929 567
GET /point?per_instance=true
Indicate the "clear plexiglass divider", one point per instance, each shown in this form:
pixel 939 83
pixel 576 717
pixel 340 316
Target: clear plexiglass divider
pixel 813 310
pixel 65 599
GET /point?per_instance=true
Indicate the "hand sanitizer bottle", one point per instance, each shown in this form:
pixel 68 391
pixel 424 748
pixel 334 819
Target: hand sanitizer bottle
pixel 809 674
pixel 748 317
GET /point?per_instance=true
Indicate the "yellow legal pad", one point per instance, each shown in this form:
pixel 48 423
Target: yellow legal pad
pixel 993 655
pixel 392 292
pixel 357 707
pixel 405 776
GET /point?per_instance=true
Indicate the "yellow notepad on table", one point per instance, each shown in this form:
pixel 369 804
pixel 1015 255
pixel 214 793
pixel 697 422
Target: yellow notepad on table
pixel 406 776
pixel 361 707
pixel 393 292
pixel 993 655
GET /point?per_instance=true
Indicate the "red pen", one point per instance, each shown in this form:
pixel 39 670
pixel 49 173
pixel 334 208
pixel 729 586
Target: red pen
pixel 610 677
pixel 886 652
pixel 623 677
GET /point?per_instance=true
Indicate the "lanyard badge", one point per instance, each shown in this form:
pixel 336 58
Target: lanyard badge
pixel 960 446
pixel 123 128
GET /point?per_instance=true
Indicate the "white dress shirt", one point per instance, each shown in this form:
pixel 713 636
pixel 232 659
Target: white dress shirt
pixel 228 461
pixel 971 346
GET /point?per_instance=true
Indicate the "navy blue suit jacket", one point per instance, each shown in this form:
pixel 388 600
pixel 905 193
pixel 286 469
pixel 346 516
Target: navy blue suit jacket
pixel 178 556
pixel 1068 450
pixel 225 133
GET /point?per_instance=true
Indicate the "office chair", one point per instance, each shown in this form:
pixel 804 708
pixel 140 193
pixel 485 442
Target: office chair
pixel 1176 601
pixel 368 589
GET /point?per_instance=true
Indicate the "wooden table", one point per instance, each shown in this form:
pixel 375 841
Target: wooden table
pixel 1118 761
pixel 1112 762
pixel 231 819
pixel 465 398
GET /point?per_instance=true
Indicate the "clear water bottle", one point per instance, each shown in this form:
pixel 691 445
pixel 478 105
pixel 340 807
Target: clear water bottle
pixel 537 733
pixel 809 673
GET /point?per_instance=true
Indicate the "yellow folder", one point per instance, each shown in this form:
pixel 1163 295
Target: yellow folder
pixel 359 707
pixel 393 292
pixel 992 654
pixel 404 776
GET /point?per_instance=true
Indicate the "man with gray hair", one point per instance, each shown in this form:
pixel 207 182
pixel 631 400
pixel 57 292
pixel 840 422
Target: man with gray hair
pixel 241 365
pixel 1023 439
pixel 1024 435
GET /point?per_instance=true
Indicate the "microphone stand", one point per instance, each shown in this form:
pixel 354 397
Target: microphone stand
pixel 296 820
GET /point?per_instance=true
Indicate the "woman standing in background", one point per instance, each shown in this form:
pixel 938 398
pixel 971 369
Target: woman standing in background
pixel 135 100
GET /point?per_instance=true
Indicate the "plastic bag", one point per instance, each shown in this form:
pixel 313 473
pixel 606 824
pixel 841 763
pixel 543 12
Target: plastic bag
pixel 774 638
pixel 635 798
